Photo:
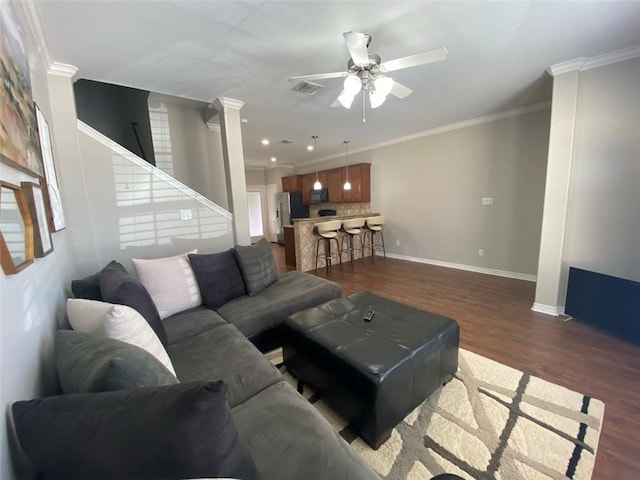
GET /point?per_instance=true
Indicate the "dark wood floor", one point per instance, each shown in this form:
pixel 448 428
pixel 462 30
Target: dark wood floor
pixel 496 321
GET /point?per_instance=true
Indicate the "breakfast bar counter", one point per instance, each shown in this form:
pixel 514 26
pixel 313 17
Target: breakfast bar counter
pixel 305 241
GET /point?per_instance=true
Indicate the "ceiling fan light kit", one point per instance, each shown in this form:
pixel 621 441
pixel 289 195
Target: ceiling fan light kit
pixel 365 72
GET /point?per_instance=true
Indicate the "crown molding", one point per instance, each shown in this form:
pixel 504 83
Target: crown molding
pixel 583 63
pixel 514 112
pixel 63 70
pixel 226 102
pixel 574 65
pixel 613 57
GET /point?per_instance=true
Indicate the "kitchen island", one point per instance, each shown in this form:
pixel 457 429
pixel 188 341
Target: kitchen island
pixel 305 241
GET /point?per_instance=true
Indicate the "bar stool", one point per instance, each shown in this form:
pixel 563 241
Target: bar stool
pixel 373 225
pixel 327 231
pixel 352 228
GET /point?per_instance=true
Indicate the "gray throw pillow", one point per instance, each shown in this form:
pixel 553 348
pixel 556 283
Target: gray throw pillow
pixel 91 363
pixel 257 265
pixel 218 276
pixel 89 287
pixel 119 287
pixel 170 432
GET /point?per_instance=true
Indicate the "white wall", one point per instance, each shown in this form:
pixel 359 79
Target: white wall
pixel 431 188
pixel 32 301
pixel 603 217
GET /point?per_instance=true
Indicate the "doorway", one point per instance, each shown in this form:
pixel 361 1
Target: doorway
pixel 258 224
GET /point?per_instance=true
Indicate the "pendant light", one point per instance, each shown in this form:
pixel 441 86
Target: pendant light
pixel 347 184
pixel 316 185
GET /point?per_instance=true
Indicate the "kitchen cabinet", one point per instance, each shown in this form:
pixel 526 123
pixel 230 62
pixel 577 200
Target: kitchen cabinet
pixel 333 180
pixel 360 179
pixel 291 183
pixel 289 246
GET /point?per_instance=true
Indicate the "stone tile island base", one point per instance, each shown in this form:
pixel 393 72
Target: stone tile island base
pixel 305 241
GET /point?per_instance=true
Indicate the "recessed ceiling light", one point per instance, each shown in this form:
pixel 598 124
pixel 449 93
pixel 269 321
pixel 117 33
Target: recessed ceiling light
pixel 274 159
pixel 265 142
pixel 309 147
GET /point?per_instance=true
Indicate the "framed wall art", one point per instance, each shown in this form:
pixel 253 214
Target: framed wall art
pixel 19 145
pixel 42 244
pixel 53 200
pixel 16 230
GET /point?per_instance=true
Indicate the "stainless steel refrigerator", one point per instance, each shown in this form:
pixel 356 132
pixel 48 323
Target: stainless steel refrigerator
pixel 289 206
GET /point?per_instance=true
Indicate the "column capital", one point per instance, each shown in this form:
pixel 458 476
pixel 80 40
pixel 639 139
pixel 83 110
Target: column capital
pixel 566 67
pixel 63 69
pixel 221 103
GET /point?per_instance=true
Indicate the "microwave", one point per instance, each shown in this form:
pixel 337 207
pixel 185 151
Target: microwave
pixel 320 196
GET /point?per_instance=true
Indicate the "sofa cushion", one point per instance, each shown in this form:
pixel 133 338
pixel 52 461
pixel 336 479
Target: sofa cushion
pixel 190 323
pixel 89 287
pixel 224 353
pixel 257 265
pixel 294 291
pixel 91 363
pixel 119 287
pixel 170 282
pixel 118 322
pixel 171 432
pixel 219 277
pixel 288 438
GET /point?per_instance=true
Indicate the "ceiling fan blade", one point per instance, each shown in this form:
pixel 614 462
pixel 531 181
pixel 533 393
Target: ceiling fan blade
pixel 400 90
pixel 318 76
pixel 429 56
pixel 357 46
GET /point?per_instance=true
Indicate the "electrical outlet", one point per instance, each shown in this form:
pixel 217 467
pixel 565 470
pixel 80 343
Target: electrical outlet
pixel 487 201
pixel 397 243
pixel 481 252
pixel 185 214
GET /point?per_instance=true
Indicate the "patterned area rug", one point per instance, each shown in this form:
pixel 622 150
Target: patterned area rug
pixel 489 422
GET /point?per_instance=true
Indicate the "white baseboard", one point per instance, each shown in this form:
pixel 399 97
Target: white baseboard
pixel 460 266
pixel 546 309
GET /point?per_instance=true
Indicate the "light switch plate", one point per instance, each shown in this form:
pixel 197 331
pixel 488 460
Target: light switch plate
pixel 487 201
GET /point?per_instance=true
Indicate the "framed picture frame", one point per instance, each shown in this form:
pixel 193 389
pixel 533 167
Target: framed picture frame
pixel 34 195
pixel 16 230
pixel 53 200
pixel 19 145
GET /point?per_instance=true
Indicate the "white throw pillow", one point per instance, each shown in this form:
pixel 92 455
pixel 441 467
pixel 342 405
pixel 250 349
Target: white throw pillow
pixel 118 322
pixel 170 282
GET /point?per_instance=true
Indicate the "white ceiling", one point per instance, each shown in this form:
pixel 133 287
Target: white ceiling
pixel 498 53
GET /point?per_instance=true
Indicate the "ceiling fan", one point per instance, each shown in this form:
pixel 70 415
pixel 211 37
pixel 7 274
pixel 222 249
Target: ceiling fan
pixel 366 72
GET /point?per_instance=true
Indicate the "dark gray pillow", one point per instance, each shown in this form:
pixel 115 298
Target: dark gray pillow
pixel 121 288
pixel 92 363
pixel 89 287
pixel 172 432
pixel 218 276
pixel 257 266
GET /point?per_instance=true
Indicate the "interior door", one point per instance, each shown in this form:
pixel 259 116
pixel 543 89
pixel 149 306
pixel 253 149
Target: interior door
pixel 258 223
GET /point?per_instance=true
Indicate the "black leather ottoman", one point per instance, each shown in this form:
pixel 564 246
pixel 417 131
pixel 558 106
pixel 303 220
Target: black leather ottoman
pixel 372 373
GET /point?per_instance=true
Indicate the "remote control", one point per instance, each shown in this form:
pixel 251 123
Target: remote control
pixel 369 315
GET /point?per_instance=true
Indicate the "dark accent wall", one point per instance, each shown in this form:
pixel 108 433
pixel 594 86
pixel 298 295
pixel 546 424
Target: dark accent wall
pixel 114 111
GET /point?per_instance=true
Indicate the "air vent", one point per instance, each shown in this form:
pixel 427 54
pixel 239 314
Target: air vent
pixel 308 88
pixel 287 142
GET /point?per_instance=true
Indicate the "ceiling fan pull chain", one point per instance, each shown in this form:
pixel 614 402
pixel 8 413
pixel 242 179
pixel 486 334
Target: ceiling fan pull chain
pixel 364 108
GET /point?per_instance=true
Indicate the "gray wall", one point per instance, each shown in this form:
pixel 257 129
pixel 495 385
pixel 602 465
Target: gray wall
pixel 32 302
pixel 254 176
pixel 431 188
pixel 603 220
pixel 197 150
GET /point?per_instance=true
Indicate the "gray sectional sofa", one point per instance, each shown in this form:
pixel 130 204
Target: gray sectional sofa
pixel 284 435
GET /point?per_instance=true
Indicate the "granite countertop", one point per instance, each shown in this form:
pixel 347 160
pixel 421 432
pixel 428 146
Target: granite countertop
pixel 332 217
pixel 287 226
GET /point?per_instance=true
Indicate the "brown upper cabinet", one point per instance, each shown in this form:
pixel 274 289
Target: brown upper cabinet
pixel 333 180
pixel 291 183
